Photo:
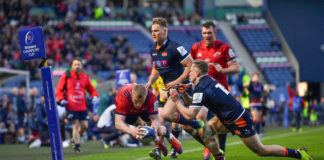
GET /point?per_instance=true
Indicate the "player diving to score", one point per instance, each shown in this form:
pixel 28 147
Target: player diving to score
pixel 134 101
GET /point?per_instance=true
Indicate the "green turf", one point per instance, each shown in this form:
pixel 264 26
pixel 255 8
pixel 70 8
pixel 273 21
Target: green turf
pixel 312 138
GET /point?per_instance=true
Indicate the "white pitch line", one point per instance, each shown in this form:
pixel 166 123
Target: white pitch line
pixel 240 142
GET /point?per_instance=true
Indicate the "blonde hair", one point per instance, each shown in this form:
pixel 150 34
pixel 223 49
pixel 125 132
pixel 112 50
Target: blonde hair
pixel 160 21
pixel 202 66
pixel 139 91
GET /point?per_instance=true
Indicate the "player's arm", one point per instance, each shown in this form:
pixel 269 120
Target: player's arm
pixel 155 121
pixel 153 77
pixel 186 63
pixel 186 97
pixel 59 91
pixel 190 113
pixel 233 67
pixel 122 126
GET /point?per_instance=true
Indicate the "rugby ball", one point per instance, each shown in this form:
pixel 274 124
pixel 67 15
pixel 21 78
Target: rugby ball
pixel 148 132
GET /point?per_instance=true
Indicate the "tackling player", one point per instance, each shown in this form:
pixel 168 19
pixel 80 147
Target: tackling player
pixel 232 117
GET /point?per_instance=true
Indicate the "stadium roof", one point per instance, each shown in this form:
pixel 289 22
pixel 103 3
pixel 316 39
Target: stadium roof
pixel 6 74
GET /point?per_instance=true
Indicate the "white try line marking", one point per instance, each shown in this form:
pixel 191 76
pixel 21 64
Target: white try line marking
pixel 240 142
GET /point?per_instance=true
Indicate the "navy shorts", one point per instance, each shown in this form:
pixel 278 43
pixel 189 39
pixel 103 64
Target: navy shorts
pixel 131 119
pixel 243 127
pixel 77 115
pixel 210 115
pixel 256 106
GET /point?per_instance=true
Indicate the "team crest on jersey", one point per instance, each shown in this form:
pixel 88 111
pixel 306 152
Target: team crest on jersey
pixel 156 106
pixel 231 53
pixel 199 55
pixel 217 54
pixel 164 54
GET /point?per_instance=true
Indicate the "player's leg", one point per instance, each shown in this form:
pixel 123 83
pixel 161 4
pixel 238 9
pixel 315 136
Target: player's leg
pixel 243 128
pixel 170 113
pixel 75 135
pixel 206 115
pixel 74 117
pixel 176 130
pixel 202 114
pixel 257 147
pixel 256 116
pixel 175 143
pixel 83 126
pixel 213 127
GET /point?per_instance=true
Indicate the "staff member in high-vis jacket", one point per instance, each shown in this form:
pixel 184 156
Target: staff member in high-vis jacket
pixel 70 92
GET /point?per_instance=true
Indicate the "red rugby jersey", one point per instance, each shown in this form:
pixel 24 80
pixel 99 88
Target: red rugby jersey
pixel 219 52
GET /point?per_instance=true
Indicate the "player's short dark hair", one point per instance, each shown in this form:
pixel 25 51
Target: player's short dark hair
pixel 76 59
pixel 202 66
pixel 209 24
pixel 160 21
pixel 139 90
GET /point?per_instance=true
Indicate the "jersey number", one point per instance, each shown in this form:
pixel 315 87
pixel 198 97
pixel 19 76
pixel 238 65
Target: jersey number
pixel 222 88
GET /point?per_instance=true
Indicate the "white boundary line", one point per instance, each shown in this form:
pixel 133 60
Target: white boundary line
pixel 240 142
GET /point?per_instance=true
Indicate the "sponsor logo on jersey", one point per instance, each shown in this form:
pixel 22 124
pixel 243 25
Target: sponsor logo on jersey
pixel 165 63
pixel 158 63
pixel 197 98
pixel 154 54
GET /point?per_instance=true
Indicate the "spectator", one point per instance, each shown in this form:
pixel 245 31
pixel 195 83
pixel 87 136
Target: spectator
pixel 22 114
pixel 297 104
pixel 70 92
pixel 321 111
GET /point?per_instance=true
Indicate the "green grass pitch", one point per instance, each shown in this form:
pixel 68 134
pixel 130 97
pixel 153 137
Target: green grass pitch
pixel 312 138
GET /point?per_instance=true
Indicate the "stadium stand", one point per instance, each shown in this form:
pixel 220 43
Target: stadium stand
pixel 265 49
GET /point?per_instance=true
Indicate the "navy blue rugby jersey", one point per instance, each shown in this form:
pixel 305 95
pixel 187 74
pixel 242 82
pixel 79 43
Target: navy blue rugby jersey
pixel 167 60
pixel 256 90
pixel 208 92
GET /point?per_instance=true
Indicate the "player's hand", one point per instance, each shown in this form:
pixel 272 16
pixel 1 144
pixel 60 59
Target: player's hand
pixel 174 95
pixel 137 133
pixel 218 68
pixel 172 84
pixel 148 85
pixel 181 88
pixel 64 102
